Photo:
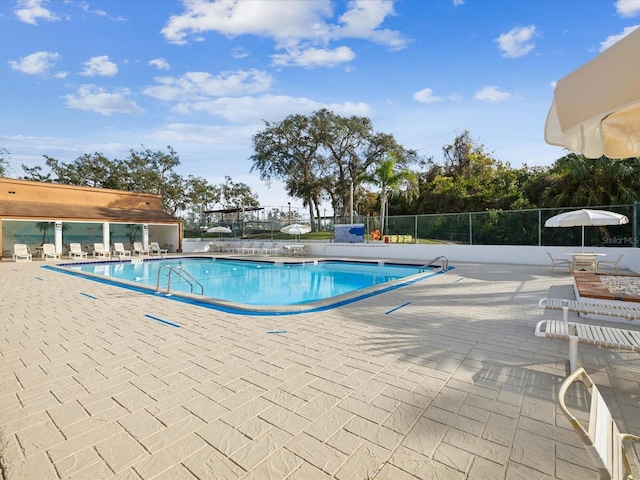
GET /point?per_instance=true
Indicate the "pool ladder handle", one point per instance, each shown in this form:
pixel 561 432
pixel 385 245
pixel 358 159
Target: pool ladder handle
pixel 445 263
pixel 182 273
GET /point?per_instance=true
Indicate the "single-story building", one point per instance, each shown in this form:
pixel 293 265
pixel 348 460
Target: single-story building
pixel 34 213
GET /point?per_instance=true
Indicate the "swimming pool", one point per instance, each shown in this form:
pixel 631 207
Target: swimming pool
pixel 255 286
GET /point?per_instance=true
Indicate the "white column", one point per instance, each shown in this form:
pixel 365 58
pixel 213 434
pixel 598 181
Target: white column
pixel 106 240
pixel 58 236
pixel 145 236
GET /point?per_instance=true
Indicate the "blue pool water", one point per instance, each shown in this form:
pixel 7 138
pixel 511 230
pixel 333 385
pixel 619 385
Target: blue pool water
pixel 255 283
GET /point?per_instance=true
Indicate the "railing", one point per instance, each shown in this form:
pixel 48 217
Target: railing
pixel 445 263
pixel 182 273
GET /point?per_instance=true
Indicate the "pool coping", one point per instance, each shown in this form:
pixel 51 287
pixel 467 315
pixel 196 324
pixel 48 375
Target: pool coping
pixel 244 309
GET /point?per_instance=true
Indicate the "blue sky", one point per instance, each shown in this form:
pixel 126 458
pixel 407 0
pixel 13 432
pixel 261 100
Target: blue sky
pixel 105 76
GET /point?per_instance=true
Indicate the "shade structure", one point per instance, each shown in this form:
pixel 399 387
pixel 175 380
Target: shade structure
pixel 586 218
pixel 596 108
pixel 219 230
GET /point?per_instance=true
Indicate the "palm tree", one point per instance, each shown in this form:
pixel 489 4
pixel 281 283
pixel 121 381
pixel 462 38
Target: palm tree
pixel 389 180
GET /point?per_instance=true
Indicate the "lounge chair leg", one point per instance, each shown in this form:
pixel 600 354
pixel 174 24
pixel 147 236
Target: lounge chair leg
pixel 565 313
pixel 573 353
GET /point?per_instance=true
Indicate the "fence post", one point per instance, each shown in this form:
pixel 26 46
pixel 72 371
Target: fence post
pixel 470 229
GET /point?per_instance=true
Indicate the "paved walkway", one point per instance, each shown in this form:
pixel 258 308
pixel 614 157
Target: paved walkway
pixel 442 379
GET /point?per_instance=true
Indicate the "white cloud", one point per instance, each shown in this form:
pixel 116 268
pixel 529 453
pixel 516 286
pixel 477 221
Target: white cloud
pixel 301 28
pixel 202 84
pixel 269 107
pixel 363 20
pixel 239 52
pixel 100 66
pixel 491 93
pixel 94 99
pixel 313 57
pixel 29 11
pixel 37 63
pixel 457 3
pixel 426 96
pixel 160 64
pixel 628 8
pixel 611 39
pixel 517 42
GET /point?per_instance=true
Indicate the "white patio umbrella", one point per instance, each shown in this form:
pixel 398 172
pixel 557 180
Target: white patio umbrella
pixel 586 218
pixel 296 229
pixel 219 230
pixel 596 108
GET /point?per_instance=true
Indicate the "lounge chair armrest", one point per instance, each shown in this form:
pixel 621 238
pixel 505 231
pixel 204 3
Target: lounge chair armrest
pixel 630 437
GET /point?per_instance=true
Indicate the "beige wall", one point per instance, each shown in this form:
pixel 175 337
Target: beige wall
pixel 27 191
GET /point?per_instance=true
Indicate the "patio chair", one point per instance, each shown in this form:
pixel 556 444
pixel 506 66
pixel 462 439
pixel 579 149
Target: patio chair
pixel 75 251
pixel 154 249
pixel 119 250
pixel 49 252
pixel 273 248
pixel 559 262
pixel 21 253
pixel 99 251
pixel 138 249
pixel 601 438
pixel 609 263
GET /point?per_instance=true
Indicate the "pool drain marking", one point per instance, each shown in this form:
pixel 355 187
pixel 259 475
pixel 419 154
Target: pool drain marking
pixel 397 308
pixel 41 279
pixel 162 321
pixel 276 332
pixel 90 296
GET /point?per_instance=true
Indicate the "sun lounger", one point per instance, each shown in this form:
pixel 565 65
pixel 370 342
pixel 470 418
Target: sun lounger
pixel 21 253
pixel 138 249
pixel 154 249
pixel 591 334
pixel 75 251
pixel 49 252
pixel 628 311
pixel 99 251
pixel 602 437
pixel 119 250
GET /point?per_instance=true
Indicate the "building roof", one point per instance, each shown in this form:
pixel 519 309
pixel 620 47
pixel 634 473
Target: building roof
pixel 48 211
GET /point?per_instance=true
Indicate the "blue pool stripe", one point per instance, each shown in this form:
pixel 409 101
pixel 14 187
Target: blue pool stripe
pixel 459 280
pixel 41 279
pixel 87 295
pixel 397 308
pixel 275 332
pixel 162 321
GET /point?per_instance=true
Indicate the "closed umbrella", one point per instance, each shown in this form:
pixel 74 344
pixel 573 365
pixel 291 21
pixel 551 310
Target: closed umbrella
pixel 596 108
pixel 586 218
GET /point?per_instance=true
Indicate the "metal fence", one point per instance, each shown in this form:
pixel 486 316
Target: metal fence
pixel 493 227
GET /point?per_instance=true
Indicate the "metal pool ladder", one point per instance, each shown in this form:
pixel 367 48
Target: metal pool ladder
pixel 182 273
pixel 445 263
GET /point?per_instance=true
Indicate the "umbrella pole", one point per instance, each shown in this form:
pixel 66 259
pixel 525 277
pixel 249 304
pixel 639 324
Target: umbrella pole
pixel 582 238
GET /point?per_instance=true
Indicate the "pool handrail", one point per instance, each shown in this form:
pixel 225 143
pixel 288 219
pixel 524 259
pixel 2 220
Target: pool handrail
pixel 445 263
pixel 182 273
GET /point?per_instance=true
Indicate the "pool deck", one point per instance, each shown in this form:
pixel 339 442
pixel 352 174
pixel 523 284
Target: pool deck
pixel 440 379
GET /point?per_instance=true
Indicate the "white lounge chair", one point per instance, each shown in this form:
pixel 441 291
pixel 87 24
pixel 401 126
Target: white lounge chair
pixel 627 310
pixel 21 253
pixel 49 252
pixel 154 249
pixel 138 249
pixel 610 263
pixel 559 262
pixel 99 251
pixel 75 251
pixel 273 248
pixel 119 250
pixel 584 333
pixel 602 437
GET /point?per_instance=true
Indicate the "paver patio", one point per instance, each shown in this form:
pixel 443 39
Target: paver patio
pixel 452 385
